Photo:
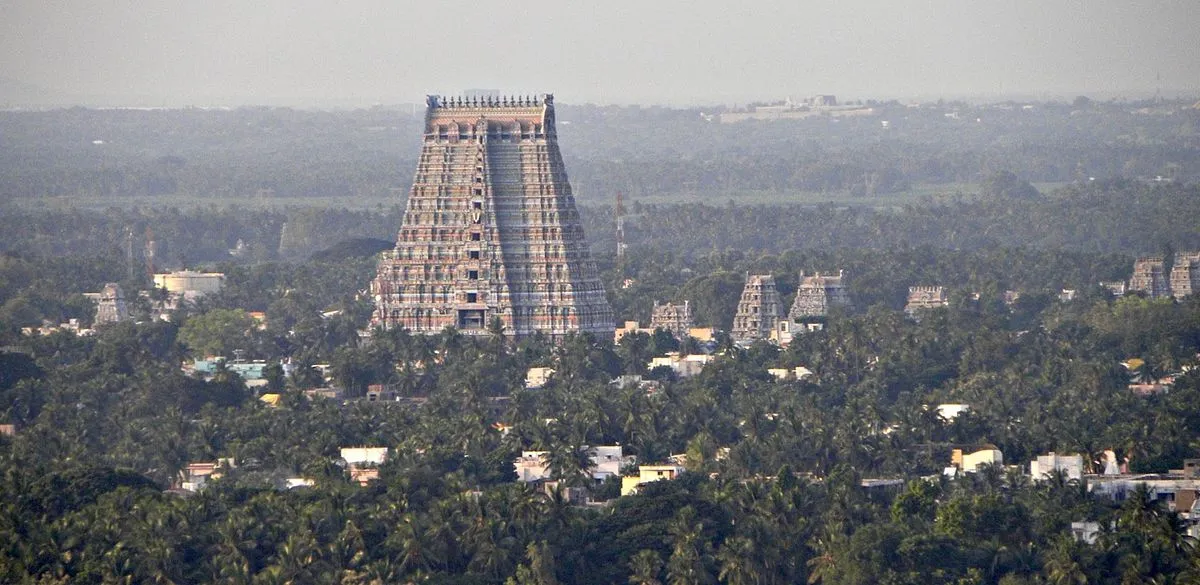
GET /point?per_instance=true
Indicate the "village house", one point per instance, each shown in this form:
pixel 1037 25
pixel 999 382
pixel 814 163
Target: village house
pixel 684 366
pixel 1046 465
pixel 363 462
pixel 647 474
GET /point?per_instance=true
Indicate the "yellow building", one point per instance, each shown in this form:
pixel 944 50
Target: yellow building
pixel 189 282
pixel 647 474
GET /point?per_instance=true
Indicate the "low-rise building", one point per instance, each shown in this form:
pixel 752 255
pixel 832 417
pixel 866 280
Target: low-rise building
pixel 196 474
pixel 253 372
pixel 363 462
pixel 364 455
pixel 532 466
pixel 684 366
pixel 1117 288
pixel 604 461
pixel 629 328
pixel 538 377
pixel 788 374
pixel 1046 465
pixel 1085 532
pixel 949 412
pixel 608 461
pixel 973 461
pixel 647 474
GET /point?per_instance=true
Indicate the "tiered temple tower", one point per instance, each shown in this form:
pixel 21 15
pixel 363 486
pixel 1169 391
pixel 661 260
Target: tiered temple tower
pixel 110 307
pixel 1185 274
pixel 816 295
pixel 491 229
pixel 1149 276
pixel 759 309
pixel 671 317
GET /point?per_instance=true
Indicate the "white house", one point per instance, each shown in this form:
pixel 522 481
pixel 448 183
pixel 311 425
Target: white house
pixel 538 377
pixel 1045 465
pixel 607 461
pixel 532 466
pixel 359 456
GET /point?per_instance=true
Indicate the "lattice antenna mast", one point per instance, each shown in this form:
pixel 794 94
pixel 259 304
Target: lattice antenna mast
pixel 620 212
pixel 151 248
pixel 129 251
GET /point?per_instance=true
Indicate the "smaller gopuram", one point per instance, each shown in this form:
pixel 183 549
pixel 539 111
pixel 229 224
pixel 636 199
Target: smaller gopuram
pixel 925 297
pixel 1185 274
pixel 110 306
pixel 1150 277
pixel 677 319
pixel 816 295
pixel 759 310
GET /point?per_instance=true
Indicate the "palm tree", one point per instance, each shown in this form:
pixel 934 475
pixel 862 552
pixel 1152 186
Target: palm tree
pixel 645 567
pixel 1063 564
pixel 687 564
pixel 737 557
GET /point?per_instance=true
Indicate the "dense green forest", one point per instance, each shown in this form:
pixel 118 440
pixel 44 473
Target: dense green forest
pixel 278 153
pixel 774 492
pixel 1119 216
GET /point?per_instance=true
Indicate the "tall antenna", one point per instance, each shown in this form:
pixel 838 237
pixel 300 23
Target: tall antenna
pixel 620 212
pixel 1158 87
pixel 129 251
pixel 151 248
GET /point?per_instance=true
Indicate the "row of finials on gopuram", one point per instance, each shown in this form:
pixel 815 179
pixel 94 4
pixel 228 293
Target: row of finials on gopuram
pixel 491 229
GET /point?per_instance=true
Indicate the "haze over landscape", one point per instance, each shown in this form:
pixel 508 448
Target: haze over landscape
pixel 314 54
pixel 764 294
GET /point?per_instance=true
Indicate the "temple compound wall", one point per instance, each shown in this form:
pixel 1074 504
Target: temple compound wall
pixel 491 229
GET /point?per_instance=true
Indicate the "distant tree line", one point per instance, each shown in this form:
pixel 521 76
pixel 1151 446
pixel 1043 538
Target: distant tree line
pixel 279 153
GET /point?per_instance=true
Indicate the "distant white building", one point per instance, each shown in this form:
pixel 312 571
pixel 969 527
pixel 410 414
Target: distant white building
pixel 972 462
pixel 1045 465
pixel 363 462
pixel 786 374
pixel 683 366
pixel 1085 532
pixel 365 455
pixel 532 466
pixel 949 412
pixel 190 284
pixel 538 377
pixel 607 461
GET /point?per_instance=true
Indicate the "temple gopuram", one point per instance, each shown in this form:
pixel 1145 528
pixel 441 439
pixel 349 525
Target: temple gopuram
pixel 490 229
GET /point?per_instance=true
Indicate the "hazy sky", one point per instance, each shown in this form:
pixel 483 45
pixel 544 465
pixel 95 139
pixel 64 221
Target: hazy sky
pixel 604 51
